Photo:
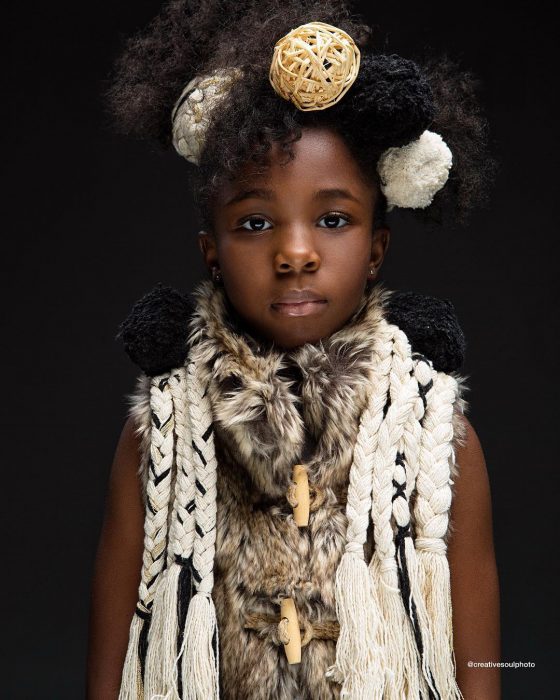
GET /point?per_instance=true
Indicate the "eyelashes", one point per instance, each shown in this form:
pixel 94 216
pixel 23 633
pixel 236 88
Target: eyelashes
pixel 253 220
pixel 260 221
pixel 335 215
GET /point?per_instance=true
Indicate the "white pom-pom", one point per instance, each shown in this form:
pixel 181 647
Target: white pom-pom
pixel 191 115
pixel 412 174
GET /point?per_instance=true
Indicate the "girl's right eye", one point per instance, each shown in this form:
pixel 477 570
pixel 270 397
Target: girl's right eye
pixel 258 221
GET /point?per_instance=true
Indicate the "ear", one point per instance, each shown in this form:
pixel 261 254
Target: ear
pixel 208 248
pixel 379 245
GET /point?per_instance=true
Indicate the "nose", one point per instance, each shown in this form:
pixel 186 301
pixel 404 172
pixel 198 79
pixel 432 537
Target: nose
pixel 296 251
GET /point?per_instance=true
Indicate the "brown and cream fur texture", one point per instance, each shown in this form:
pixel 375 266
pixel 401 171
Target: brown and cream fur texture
pixel 273 409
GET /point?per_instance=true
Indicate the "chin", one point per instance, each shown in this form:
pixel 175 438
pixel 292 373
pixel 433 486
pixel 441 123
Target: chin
pixel 306 332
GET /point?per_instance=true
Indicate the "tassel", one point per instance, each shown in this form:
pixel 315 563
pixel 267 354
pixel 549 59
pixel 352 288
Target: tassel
pixel 401 656
pixel 419 620
pixel 391 623
pixel 172 602
pixel 358 654
pixel 160 678
pixel 154 659
pixel 199 667
pixel 131 682
pixel 170 633
pixel 434 579
pixel 416 628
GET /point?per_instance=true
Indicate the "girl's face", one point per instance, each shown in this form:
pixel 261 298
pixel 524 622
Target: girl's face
pixel 302 227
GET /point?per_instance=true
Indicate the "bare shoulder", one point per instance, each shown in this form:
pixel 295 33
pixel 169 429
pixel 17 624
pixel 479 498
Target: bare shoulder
pixel 471 542
pixel 128 448
pixel 471 447
pixel 474 575
pixel 127 456
pixel 124 497
pixel 472 503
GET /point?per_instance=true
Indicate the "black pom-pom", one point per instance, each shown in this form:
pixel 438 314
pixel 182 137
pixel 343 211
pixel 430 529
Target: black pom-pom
pixel 394 96
pixel 431 326
pixel 155 332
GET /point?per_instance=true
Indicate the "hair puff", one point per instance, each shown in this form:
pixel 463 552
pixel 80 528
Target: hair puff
pixel 392 98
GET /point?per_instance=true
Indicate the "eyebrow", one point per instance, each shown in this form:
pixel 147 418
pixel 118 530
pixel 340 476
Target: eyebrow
pixel 335 193
pixel 261 193
pixel 257 193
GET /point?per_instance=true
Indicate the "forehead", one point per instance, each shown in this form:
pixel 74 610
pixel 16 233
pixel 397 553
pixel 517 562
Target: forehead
pixel 322 160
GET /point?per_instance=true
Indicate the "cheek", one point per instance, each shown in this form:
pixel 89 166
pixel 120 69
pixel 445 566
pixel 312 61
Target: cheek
pixel 247 274
pixel 348 256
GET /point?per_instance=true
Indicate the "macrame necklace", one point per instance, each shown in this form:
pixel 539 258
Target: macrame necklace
pixel 394 612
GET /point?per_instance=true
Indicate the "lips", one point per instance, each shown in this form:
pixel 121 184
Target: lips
pixel 295 296
pixel 299 302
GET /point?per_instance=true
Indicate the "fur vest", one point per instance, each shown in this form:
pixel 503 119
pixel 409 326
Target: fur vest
pixel 273 409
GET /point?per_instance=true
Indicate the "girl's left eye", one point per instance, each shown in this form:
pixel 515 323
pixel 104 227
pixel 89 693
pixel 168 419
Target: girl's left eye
pixel 333 216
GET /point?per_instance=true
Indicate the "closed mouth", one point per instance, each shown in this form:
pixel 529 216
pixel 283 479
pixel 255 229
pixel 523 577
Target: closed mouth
pixel 299 308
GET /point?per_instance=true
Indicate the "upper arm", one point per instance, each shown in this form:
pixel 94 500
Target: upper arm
pixel 117 570
pixel 474 578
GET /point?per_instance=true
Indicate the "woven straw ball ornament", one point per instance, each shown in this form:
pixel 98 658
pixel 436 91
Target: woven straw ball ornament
pixel 314 65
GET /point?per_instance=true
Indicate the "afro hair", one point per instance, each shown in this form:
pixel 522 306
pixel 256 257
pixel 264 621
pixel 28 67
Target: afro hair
pixel 392 101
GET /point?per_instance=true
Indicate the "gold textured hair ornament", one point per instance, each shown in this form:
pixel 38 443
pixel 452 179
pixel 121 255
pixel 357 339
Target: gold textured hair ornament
pixel 314 65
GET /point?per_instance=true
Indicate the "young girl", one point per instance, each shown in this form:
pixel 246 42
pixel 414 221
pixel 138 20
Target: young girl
pixel 298 507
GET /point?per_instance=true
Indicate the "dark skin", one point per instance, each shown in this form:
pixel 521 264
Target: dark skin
pixel 293 238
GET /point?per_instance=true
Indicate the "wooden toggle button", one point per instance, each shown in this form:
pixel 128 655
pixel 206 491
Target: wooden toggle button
pixel 301 511
pixel 293 646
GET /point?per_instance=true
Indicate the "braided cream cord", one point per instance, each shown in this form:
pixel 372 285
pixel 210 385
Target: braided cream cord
pixel 402 381
pixel 400 648
pixel 411 446
pixel 160 678
pixel 359 649
pixel 200 662
pixel 206 482
pixel 390 433
pixel 431 517
pixel 434 490
pixel 183 520
pixel 193 528
pixel 158 488
pixel 401 372
pixel 158 492
pixel 422 370
pixel 358 505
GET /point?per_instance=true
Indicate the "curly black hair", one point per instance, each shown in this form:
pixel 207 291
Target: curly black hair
pixel 392 101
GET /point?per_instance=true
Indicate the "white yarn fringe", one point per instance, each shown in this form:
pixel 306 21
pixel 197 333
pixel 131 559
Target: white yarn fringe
pixel 400 652
pixel 358 664
pixel 199 668
pixel 160 678
pixel 434 580
pixel 154 659
pixel 421 615
pixel 131 682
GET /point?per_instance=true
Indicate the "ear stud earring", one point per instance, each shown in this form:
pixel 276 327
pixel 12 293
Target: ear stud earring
pixel 216 274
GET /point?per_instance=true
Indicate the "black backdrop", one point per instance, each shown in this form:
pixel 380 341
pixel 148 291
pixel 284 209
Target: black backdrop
pixel 95 221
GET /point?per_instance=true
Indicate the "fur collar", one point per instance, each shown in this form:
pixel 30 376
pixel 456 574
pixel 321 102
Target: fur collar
pixel 275 408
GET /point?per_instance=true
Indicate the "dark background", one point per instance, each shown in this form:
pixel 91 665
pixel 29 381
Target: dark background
pixel 95 221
